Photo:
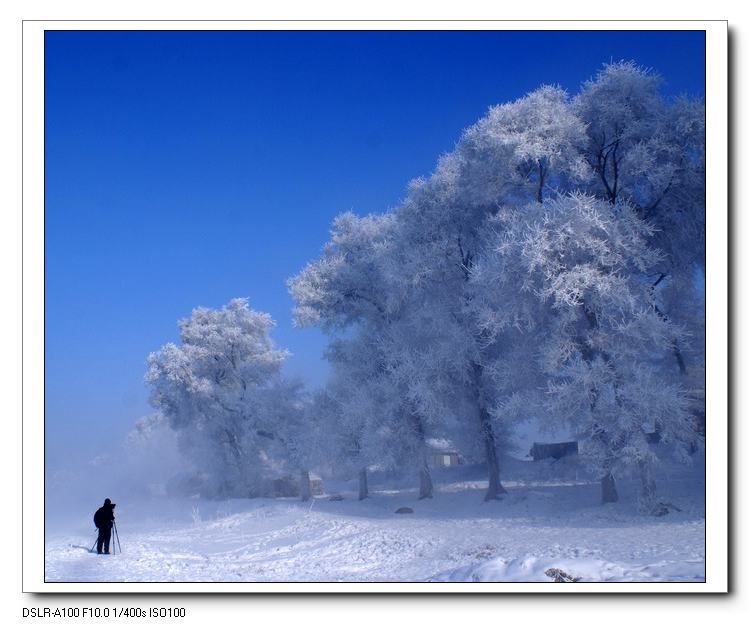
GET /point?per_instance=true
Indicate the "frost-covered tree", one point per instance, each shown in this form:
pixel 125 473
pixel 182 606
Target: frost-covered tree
pixel 602 345
pixel 453 306
pixel 650 152
pixel 439 230
pixel 622 109
pixel 617 139
pixel 351 283
pixel 345 434
pixel 356 290
pixel 221 390
pixel 527 147
pixel 641 146
pixel 297 443
pixel 509 157
pixel 357 412
pixel 425 364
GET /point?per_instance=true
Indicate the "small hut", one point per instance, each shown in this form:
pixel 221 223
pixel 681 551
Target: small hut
pixel 445 459
pixel 442 454
pixel 556 450
pixel 289 486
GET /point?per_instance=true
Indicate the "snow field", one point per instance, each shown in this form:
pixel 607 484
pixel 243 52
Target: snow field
pixel 454 537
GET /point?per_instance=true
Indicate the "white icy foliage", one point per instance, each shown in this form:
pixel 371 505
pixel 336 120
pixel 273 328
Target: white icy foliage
pixel 582 260
pixel 358 288
pixel 535 272
pixel 649 151
pixel 222 391
pixel 536 137
pixel 357 409
pixel 545 269
pixel 348 283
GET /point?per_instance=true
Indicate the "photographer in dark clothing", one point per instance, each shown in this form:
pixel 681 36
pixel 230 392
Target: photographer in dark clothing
pixel 104 517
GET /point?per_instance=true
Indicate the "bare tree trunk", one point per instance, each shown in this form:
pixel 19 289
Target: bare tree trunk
pixel 541 182
pixel 494 487
pixel 647 502
pixel 425 482
pixel 304 485
pixel 680 359
pixel 609 490
pixel 675 346
pixel 363 490
pixel 425 479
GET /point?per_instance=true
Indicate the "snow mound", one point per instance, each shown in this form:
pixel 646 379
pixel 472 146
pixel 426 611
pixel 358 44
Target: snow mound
pixel 532 569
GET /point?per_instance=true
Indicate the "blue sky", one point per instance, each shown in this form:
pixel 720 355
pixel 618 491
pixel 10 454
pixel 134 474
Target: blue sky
pixel 188 168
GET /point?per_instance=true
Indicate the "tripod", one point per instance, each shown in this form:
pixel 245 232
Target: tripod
pixel 115 541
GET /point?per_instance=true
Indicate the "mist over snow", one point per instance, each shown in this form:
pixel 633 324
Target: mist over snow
pixel 555 523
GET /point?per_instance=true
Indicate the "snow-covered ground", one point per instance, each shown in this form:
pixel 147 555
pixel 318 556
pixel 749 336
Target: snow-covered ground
pixel 453 537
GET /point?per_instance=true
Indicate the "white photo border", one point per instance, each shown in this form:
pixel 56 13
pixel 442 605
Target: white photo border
pixel 717 379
